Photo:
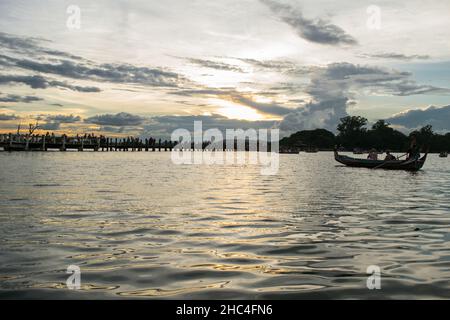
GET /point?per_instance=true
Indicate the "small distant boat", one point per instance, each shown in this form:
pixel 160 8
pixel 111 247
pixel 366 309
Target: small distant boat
pixel 443 155
pixel 408 165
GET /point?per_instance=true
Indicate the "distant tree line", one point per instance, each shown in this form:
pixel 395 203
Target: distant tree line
pixel 354 134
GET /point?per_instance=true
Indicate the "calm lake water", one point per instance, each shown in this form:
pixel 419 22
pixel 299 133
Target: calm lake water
pixel 139 226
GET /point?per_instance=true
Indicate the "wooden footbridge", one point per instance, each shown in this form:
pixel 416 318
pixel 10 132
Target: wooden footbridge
pixel 20 142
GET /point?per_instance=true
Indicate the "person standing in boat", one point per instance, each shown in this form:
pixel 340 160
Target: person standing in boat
pixel 413 151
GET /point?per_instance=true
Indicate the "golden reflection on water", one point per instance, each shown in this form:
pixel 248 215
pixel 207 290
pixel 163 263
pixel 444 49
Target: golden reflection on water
pixel 167 292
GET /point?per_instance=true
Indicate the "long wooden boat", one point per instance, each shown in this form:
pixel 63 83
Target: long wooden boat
pixel 408 165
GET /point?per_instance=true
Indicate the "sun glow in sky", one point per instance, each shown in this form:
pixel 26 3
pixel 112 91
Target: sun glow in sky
pixel 235 111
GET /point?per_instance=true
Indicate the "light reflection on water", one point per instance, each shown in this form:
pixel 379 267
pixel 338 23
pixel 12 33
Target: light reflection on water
pixel 140 226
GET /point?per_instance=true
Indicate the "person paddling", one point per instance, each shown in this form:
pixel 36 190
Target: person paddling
pixel 389 156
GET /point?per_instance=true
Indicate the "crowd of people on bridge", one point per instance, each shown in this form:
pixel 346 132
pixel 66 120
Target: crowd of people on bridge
pixel 86 139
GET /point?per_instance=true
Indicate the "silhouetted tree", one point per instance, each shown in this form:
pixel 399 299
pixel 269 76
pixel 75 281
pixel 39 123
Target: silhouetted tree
pixel 318 138
pixel 351 131
pixel 383 137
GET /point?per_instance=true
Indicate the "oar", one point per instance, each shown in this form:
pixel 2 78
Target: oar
pixel 380 165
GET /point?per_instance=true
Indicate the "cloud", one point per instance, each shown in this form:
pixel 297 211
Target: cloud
pixel 53 122
pixel 439 118
pixel 50 126
pixel 215 65
pixel 39 82
pixel 323 114
pixel 202 92
pixel 409 88
pixel 88 70
pixel 6 117
pixel 396 56
pixel 268 108
pixel 30 57
pixel 282 66
pixel 317 31
pixel 239 98
pixel 35 82
pixel 18 98
pixel 63 118
pixel 332 87
pixel 119 119
pixel 117 73
pixel 337 79
pixel 18 43
pixel 268 64
pixel 29 45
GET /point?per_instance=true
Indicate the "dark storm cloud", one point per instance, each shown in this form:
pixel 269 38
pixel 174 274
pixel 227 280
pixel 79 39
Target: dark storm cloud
pixel 215 65
pixel 396 56
pixel 439 118
pixel 18 98
pixel 317 31
pixel 39 82
pixel 119 119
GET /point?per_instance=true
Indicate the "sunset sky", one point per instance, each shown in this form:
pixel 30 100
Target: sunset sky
pixel 146 67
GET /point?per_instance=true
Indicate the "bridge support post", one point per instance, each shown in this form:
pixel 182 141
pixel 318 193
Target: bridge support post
pixel 44 147
pixel 63 147
pixel 27 143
